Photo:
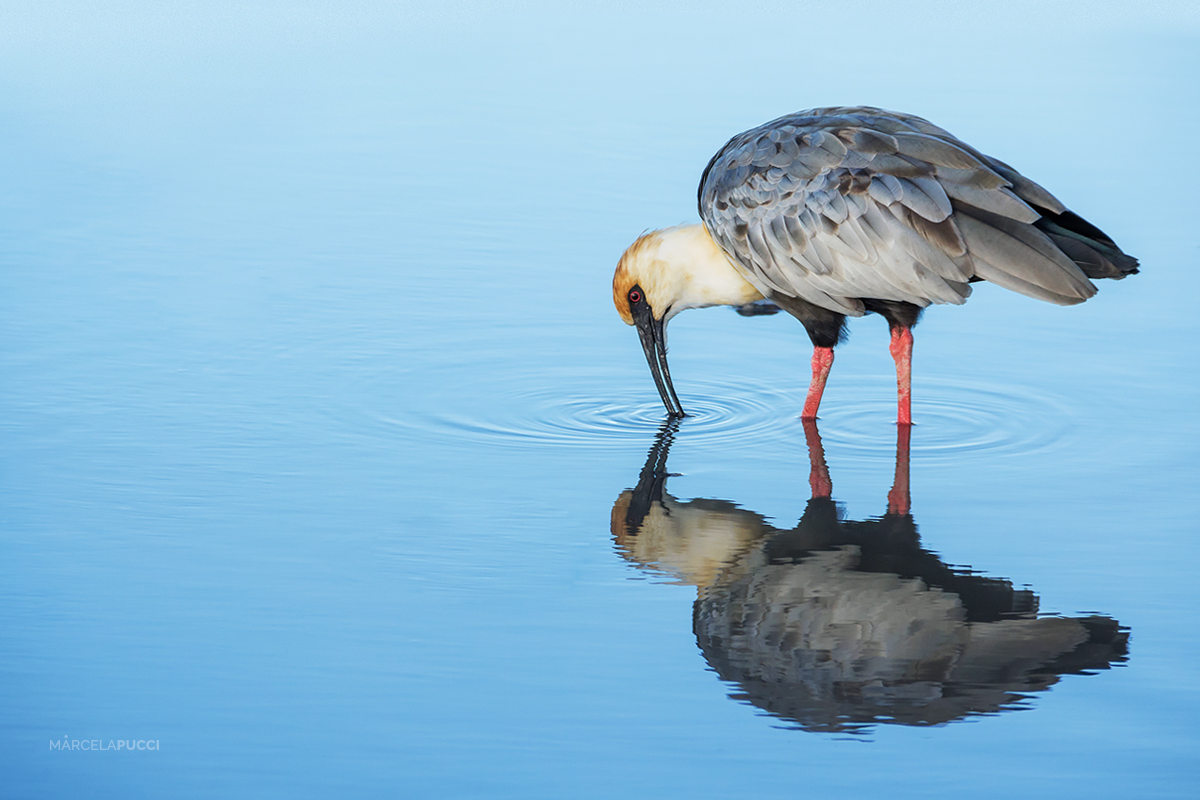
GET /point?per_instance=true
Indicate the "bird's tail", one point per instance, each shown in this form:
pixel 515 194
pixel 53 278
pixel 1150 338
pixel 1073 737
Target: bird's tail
pixel 1089 247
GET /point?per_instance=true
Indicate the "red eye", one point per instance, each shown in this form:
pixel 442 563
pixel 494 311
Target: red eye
pixel 635 296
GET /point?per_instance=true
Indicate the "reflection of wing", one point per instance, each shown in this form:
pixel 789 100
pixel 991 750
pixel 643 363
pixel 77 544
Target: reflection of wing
pixel 835 204
pixel 819 632
pixel 817 639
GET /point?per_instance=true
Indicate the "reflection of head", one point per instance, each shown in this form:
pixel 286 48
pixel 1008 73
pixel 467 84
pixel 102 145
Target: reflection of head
pixel 690 541
pixel 837 624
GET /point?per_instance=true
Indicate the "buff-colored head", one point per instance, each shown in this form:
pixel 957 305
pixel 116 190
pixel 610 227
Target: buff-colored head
pixel 661 274
pixel 677 268
pixel 634 264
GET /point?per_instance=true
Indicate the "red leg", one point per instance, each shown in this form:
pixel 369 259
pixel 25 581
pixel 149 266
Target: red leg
pixel 818 472
pixel 901 349
pixel 822 361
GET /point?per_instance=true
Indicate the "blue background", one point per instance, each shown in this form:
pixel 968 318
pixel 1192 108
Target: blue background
pixel 315 405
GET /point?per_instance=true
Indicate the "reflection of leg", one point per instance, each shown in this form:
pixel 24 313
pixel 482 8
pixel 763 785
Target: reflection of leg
pixel 822 361
pixel 818 474
pixel 901 350
pixel 899 500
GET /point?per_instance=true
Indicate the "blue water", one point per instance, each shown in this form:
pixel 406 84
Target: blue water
pixel 315 412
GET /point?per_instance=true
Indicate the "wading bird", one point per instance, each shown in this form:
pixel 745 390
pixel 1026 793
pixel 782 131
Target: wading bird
pixel 838 212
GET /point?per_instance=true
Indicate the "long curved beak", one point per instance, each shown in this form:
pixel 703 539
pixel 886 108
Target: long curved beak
pixel 654 342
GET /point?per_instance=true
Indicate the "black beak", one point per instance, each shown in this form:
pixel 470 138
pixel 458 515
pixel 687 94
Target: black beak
pixel 654 343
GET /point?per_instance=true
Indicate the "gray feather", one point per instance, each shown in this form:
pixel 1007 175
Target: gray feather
pixel 933 150
pixel 926 197
pixel 834 205
pixel 1023 255
pixel 1026 189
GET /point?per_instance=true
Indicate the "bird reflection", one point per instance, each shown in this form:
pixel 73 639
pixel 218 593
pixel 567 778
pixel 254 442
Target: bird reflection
pixel 836 625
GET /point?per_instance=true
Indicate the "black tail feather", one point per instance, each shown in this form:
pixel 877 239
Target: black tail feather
pixel 1085 244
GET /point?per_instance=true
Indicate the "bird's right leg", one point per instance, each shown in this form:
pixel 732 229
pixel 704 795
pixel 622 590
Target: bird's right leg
pixel 822 362
pixel 901 349
pixel 825 329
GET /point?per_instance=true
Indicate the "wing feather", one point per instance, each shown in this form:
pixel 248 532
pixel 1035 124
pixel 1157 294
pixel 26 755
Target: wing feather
pixel 933 150
pixel 926 197
pixel 836 205
pixel 1027 190
pixel 1024 253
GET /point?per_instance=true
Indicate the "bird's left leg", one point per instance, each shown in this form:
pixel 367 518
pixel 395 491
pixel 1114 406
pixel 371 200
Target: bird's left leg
pixel 901 350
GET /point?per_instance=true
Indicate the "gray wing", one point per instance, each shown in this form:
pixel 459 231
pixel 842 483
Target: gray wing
pixel 837 204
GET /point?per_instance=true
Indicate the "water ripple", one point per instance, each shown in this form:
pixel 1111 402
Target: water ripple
pixel 953 417
pixel 603 418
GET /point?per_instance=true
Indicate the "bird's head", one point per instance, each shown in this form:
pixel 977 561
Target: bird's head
pixel 663 273
pixel 645 278
pixel 645 290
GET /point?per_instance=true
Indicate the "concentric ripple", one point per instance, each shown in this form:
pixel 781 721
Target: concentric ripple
pixel 594 411
pixel 951 418
pixel 597 417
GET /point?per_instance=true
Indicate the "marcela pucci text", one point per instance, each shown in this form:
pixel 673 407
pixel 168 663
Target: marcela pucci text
pixel 99 744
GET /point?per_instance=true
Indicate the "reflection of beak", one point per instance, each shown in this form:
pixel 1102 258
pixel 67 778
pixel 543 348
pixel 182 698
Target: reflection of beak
pixel 633 506
pixel 654 343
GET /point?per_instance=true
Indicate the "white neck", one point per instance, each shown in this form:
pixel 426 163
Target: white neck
pixel 698 272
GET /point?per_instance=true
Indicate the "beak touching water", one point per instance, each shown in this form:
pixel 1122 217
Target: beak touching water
pixel 654 342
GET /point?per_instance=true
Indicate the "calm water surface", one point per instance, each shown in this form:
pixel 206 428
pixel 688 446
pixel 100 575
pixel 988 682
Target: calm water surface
pixel 329 468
